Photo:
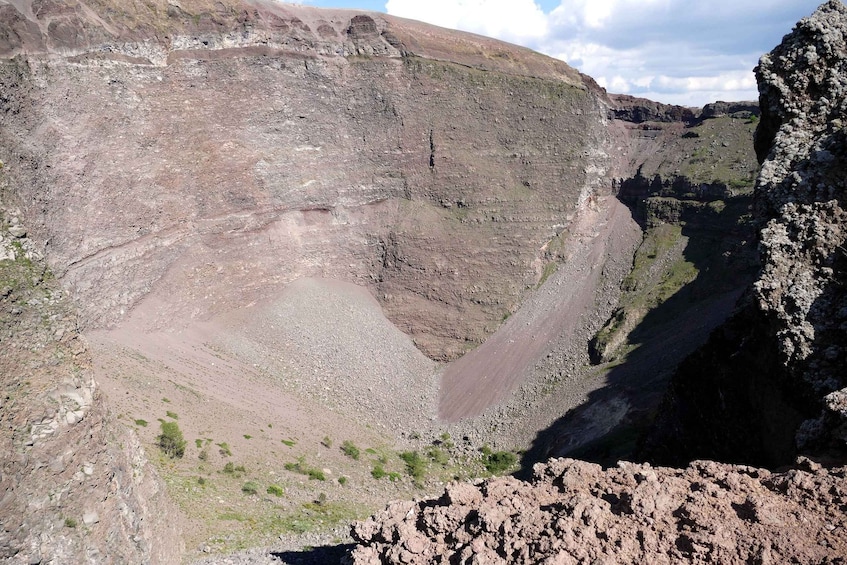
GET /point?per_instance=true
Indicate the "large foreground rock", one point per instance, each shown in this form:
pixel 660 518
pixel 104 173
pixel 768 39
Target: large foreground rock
pixel 576 512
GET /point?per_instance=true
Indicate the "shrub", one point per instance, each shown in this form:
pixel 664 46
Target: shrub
pixel 289 442
pixel 198 443
pixel 342 481
pixel 415 464
pixel 316 474
pixel 225 451
pixel 378 472
pixel 500 461
pixel 250 488
pixel 276 490
pixel 326 442
pixel 446 441
pixel 350 450
pixel 438 456
pixel 172 415
pixel 70 523
pixel 302 468
pixel 141 423
pixel 232 469
pixel 170 441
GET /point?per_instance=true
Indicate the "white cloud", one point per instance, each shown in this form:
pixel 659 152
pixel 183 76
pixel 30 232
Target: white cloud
pixel 519 21
pixel 670 50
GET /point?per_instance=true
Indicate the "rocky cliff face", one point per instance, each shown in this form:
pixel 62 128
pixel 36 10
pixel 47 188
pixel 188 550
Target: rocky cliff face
pixel 176 162
pixel 771 382
pixel 422 126
pixel 76 485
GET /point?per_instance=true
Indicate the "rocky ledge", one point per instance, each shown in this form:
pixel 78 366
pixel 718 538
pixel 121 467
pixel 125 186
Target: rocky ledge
pixel 576 512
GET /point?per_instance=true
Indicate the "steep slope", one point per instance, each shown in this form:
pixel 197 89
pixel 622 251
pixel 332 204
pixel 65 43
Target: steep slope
pixel 686 176
pixel 201 175
pixel 239 180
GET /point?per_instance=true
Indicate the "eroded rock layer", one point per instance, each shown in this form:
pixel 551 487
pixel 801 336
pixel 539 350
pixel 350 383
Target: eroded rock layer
pixel 189 151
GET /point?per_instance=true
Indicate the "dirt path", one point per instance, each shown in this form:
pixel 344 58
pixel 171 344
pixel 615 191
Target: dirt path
pixel 490 373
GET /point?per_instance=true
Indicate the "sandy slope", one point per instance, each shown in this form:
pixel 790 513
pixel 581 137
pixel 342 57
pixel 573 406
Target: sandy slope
pixel 490 373
pixel 318 361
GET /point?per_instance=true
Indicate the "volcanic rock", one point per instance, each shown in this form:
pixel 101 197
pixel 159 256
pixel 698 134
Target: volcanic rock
pixel 762 386
pixel 577 512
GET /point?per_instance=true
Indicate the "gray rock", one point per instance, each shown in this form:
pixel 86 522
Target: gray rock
pixel 90 518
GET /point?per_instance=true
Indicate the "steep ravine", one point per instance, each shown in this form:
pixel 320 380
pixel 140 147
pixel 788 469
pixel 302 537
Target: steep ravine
pixel 770 383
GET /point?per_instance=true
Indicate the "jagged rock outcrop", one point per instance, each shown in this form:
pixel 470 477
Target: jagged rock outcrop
pixel 576 512
pixel 639 110
pixel 75 484
pixel 802 187
pixel 771 382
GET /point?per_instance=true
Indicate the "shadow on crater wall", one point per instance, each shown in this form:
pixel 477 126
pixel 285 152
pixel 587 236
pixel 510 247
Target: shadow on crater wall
pixel 611 424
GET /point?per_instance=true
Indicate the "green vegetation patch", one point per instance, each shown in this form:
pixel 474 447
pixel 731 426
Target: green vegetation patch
pixel 316 516
pixel 250 487
pixel 235 470
pixel 171 441
pixel 415 465
pixel 301 467
pixel 349 449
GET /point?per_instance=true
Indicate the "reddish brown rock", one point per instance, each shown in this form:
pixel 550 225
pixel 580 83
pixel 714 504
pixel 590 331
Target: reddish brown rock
pixel 576 512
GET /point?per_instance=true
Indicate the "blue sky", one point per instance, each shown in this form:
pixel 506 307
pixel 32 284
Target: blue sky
pixel 674 51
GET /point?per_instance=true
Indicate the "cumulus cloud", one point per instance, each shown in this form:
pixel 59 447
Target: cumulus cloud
pixel 518 21
pixel 670 50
